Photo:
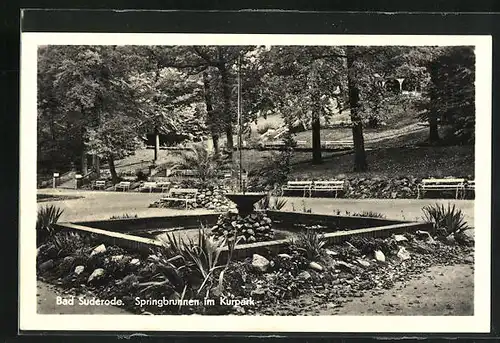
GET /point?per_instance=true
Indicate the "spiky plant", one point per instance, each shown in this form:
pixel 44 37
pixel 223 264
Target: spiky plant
pixel 202 161
pixel 47 216
pixel 449 218
pixel 202 255
pixel 310 243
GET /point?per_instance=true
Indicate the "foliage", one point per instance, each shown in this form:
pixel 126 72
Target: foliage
pixel 267 203
pixel 124 216
pixel 202 255
pixel 371 214
pixel 451 94
pixel 450 218
pixel 204 162
pixel 46 217
pixel 66 243
pixel 310 243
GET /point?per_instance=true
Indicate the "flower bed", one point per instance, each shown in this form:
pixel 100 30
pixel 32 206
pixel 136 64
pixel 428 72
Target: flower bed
pixel 340 272
pixel 208 198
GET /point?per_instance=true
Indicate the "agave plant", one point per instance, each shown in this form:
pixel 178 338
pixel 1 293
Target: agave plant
pixel 202 161
pixel 202 255
pixel 267 204
pixel 47 216
pixel 310 243
pixel 450 218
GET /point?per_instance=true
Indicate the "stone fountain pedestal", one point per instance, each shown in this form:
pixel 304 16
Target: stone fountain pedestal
pixel 245 201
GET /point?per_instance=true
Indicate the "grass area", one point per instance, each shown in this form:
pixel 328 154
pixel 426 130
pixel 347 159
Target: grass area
pixel 50 197
pixel 418 162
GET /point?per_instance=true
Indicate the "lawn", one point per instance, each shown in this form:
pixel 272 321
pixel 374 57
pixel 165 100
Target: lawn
pixel 418 162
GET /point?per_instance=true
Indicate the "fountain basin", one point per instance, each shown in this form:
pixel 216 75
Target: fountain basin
pixel 245 201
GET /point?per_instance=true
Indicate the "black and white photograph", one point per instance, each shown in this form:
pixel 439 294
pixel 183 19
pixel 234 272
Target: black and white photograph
pixel 279 181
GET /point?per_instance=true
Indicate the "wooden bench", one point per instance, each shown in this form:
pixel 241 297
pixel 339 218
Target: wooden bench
pixel 456 185
pixel 99 184
pixel 181 172
pixel 173 195
pixel 124 185
pixel 149 186
pixel 328 186
pixel 341 143
pixel 470 185
pixel 304 186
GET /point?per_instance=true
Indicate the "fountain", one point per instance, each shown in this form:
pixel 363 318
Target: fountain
pixel 244 200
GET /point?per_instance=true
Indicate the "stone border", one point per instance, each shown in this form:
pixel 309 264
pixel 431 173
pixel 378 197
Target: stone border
pixel 246 250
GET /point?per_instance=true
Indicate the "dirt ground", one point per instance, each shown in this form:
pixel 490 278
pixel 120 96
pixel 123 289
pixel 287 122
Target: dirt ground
pixel 442 290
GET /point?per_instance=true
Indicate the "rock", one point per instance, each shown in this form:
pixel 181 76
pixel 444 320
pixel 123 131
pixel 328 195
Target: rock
pixel 251 239
pixel 98 250
pixel 330 252
pixel 400 238
pixel 96 275
pixel 79 270
pixel 379 256
pixel 258 293
pixel 425 235
pixel 135 262
pixel 285 256
pixel 49 264
pixel 250 232
pixel 316 266
pixel 260 262
pixel 363 263
pixel 403 254
pixel 344 265
pixel 469 259
pixel 116 258
pixel 304 275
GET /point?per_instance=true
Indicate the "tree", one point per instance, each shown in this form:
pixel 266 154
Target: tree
pixel 302 82
pixel 451 92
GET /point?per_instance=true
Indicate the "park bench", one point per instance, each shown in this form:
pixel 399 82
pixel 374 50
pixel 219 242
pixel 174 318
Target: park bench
pixel 181 172
pixel 328 186
pixel 456 185
pixel 175 194
pixel 304 186
pixel 151 186
pixel 276 144
pixel 99 184
pixel 470 185
pixel 124 185
pixel 336 144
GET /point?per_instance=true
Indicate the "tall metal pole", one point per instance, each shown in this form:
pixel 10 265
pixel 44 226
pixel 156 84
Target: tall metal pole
pixel 240 178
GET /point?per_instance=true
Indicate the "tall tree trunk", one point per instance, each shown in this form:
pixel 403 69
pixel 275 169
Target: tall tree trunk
pixel 360 164
pixel 316 131
pixel 96 165
pixel 228 116
pixel 157 144
pixel 433 123
pixel 433 129
pixel 212 120
pixel 112 169
pixel 85 167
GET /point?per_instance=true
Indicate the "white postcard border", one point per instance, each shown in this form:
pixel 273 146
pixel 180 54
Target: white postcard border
pixel 30 320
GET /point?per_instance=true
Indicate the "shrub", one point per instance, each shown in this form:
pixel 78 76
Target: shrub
pixel 205 163
pixel 371 214
pixel 268 204
pixel 66 243
pixel 310 243
pixel 47 216
pixel 201 256
pixel 124 216
pixel 141 176
pixel 449 218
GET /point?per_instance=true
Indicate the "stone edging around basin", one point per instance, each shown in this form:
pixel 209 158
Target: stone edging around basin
pixel 247 250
